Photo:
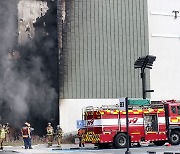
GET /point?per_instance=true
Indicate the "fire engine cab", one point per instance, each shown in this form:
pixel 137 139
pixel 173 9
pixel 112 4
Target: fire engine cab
pixel 157 123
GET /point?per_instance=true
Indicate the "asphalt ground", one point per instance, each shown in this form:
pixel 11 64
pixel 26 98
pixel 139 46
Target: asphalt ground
pixel 90 149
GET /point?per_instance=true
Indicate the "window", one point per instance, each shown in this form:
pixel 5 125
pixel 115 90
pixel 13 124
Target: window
pixel 173 109
pixel 178 110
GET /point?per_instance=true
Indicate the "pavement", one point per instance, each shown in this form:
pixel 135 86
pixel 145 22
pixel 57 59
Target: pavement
pixel 43 148
pixel 90 149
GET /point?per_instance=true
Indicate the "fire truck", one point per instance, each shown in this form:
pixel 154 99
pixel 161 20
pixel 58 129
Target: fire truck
pixel 157 123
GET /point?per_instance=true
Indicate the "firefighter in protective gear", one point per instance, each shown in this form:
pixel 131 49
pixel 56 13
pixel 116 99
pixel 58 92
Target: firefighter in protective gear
pixel 30 136
pixel 26 134
pixel 59 135
pixel 2 135
pixel 80 134
pixel 50 132
pixel 7 129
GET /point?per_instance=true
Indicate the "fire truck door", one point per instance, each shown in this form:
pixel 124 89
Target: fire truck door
pixel 150 123
pixel 150 127
pixel 173 114
pixel 173 110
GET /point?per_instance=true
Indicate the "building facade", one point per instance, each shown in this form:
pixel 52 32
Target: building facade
pixel 101 39
pixel 164 44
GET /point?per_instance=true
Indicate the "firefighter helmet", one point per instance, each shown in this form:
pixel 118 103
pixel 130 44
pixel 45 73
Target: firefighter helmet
pixel 27 124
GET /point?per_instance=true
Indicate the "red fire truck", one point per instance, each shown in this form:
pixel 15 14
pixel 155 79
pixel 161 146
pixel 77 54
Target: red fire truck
pixel 157 123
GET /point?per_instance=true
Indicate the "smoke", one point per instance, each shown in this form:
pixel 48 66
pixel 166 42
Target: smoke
pixel 8 26
pixel 28 73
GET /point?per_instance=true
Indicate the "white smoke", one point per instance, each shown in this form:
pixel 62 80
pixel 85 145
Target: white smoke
pixel 24 79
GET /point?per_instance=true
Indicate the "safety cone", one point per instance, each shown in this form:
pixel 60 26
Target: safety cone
pixel 168 145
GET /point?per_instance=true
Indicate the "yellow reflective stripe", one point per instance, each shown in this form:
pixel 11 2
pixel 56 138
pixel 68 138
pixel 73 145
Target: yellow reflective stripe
pixel 151 132
pixel 134 133
pixel 162 132
pixel 160 109
pixel 136 112
pixel 106 132
pixel 174 120
pixel 151 110
pixel 91 137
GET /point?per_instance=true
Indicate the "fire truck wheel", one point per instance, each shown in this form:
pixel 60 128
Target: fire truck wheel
pixel 120 141
pixel 174 138
pixel 159 143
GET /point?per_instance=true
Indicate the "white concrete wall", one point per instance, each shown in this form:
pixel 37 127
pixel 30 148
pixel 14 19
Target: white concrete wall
pixel 71 110
pixel 164 43
pixel 28 12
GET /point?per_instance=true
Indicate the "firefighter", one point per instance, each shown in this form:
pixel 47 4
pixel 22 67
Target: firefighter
pixel 2 135
pixel 30 135
pixel 59 135
pixel 26 134
pixel 50 132
pixel 80 134
pixel 7 129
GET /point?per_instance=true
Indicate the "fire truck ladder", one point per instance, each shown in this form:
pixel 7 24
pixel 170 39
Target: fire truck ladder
pixel 91 108
pixel 157 105
pixel 110 107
